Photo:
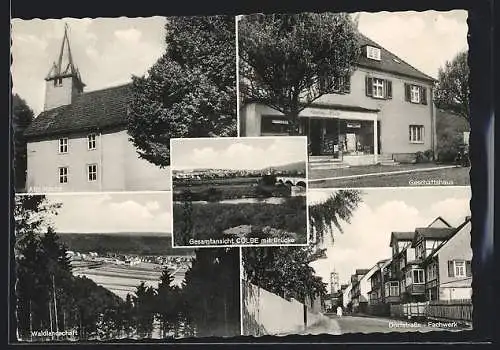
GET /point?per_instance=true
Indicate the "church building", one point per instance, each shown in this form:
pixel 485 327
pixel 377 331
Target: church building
pixel 79 142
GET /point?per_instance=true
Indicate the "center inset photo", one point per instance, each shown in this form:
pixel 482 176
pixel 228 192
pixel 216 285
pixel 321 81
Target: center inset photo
pixel 232 191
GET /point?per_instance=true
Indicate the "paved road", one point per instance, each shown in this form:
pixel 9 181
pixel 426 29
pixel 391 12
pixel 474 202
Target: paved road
pixel 325 326
pixel 359 324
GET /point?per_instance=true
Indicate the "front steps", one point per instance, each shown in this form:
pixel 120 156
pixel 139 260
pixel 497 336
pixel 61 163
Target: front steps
pixel 325 163
pixel 386 159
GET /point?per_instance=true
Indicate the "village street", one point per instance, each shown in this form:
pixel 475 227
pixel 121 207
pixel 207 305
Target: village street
pixel 360 324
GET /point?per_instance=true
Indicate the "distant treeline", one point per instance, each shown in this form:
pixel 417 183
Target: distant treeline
pixel 102 243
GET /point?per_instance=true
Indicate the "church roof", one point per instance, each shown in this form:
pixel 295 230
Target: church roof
pixel 90 111
pixel 64 66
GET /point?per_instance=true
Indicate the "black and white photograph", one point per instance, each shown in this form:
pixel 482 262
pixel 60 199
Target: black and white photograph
pixel 101 267
pixel 96 101
pixel 383 98
pixel 380 261
pixel 239 191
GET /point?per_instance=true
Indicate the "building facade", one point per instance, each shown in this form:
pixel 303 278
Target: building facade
pixel 383 113
pixel 360 288
pixel 431 263
pixel 80 141
pixel 448 268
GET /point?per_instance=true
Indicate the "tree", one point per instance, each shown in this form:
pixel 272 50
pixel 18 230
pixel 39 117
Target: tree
pixel 166 303
pixel 144 302
pixel 211 292
pixel 325 217
pixel 284 271
pixel 48 296
pixel 452 90
pixel 22 116
pixel 287 61
pixel 190 91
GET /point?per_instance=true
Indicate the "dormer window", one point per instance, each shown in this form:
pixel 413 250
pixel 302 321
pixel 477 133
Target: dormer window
pixel 373 53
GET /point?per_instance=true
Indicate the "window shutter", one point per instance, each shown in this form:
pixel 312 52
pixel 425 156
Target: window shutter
pixel 468 270
pixel 451 269
pixel 407 92
pixel 347 86
pixel 369 86
pixel 388 89
pixel 423 95
pixel 337 84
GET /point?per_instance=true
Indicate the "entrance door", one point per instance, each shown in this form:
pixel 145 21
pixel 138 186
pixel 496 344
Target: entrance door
pixel 351 141
pixel 315 136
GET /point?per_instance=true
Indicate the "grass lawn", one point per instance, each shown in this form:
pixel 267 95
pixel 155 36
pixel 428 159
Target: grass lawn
pixel 366 169
pixel 442 177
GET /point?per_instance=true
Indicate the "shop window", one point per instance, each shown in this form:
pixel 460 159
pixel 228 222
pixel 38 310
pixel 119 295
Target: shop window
pixel 274 125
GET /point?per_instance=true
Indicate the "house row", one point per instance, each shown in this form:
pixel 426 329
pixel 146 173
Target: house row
pixel 430 263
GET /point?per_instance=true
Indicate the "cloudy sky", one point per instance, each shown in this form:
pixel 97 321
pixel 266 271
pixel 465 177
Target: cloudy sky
pixel 237 153
pixel 109 51
pixel 114 212
pixel 426 40
pixel 366 240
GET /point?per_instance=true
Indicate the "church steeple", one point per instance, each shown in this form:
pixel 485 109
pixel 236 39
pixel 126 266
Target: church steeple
pixel 64 82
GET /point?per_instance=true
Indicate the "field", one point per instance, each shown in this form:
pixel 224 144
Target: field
pixel 122 243
pixel 122 280
pixel 212 219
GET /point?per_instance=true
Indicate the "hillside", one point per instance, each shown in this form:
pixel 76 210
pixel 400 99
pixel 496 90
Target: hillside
pixel 297 166
pixel 122 243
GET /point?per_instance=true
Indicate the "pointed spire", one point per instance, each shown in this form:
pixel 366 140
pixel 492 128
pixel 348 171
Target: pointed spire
pixel 64 66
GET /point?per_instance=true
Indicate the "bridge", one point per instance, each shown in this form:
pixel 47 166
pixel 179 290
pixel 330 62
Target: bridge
pixel 291 181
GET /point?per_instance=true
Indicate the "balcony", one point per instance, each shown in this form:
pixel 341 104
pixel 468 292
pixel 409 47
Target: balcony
pixel 416 289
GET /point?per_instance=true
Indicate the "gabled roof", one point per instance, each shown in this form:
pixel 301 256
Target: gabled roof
pixel 401 236
pixel 457 230
pixel 95 110
pixel 437 220
pixel 433 233
pixel 362 271
pixel 389 62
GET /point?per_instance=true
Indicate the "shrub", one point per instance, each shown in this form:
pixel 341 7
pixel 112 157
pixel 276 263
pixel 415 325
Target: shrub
pixel 268 180
pixel 419 157
pixel 429 154
pixel 448 148
pixel 213 195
